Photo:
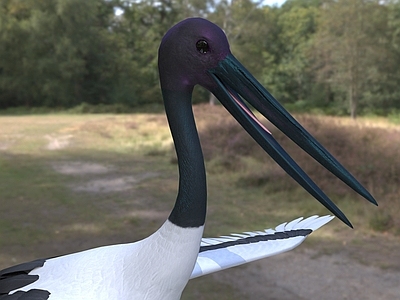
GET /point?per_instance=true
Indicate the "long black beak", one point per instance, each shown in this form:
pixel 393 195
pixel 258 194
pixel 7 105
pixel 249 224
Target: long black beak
pixel 233 83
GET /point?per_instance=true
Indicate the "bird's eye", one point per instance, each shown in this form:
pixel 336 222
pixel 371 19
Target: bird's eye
pixel 202 46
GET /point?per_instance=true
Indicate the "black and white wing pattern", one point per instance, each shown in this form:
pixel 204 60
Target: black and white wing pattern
pixel 228 251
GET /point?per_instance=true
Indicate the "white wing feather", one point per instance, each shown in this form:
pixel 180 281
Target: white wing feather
pixel 228 251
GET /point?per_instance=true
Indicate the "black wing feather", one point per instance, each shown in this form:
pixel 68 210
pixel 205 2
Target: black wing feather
pixel 16 277
pixel 29 295
pixel 258 238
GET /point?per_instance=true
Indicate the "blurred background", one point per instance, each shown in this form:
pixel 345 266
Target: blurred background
pixel 86 157
pixel 334 57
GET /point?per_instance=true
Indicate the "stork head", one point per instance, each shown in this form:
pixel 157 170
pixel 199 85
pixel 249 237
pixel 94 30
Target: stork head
pixel 196 51
pixel 187 51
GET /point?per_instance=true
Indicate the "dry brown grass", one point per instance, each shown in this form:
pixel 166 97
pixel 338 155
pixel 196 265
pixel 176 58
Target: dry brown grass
pixel 371 151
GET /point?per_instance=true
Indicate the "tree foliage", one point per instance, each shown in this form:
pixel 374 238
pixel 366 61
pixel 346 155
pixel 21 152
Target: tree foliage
pixel 338 56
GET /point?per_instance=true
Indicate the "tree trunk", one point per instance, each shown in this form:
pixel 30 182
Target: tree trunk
pixel 212 100
pixel 353 95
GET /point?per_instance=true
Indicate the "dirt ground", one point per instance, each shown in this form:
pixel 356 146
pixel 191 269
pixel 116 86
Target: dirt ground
pixel 366 269
pixel 300 275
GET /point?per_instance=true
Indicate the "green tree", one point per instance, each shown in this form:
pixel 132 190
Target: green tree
pixel 297 23
pixel 312 53
pixel 347 47
pixel 62 53
pixel 383 94
pixel 252 32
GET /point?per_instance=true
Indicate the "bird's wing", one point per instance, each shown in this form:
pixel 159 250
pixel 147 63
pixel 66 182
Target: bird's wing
pixel 228 251
pixel 18 276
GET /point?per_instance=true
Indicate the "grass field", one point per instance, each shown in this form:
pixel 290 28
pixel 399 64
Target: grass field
pixel 72 182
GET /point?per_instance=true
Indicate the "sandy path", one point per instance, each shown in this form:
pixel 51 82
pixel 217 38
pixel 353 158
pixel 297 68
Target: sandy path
pixel 304 275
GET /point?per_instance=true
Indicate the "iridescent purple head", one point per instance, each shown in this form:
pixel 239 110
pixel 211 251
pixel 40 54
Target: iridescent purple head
pixel 187 51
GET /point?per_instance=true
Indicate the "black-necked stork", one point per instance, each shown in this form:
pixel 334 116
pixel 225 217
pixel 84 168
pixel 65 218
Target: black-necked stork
pixel 194 51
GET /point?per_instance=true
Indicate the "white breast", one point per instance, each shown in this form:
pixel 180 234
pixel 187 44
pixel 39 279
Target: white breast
pixel 157 267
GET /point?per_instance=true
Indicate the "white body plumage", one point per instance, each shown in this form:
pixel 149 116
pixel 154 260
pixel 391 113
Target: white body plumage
pixel 160 266
pixel 125 271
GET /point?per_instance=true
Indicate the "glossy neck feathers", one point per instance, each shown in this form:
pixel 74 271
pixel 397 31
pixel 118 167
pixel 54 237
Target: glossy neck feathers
pixel 191 202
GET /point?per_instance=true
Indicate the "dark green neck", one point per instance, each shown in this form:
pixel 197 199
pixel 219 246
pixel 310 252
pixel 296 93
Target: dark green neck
pixel 191 202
